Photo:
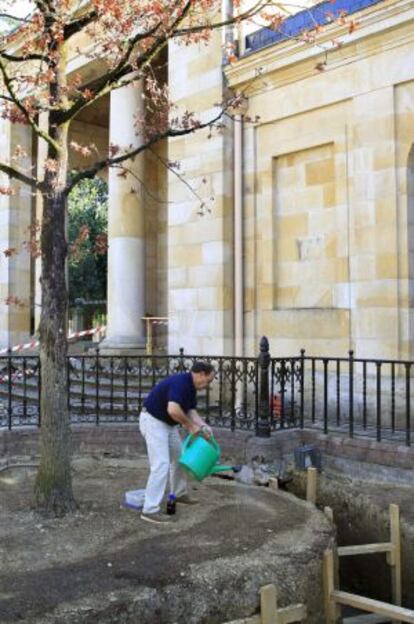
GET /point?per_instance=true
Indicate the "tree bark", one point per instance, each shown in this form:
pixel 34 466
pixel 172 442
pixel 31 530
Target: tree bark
pixel 53 488
pixel 53 483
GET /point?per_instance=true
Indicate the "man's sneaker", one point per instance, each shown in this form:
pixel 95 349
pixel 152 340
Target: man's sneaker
pixel 185 499
pixel 156 518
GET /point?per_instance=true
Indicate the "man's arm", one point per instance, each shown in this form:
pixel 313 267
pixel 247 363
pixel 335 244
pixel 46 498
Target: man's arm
pixel 191 421
pixel 197 420
pixel 177 413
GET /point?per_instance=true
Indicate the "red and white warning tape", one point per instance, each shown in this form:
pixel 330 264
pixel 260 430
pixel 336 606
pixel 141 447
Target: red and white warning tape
pixel 35 343
pixel 87 332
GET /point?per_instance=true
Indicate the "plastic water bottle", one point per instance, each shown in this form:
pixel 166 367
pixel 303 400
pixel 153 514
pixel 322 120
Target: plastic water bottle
pixel 171 504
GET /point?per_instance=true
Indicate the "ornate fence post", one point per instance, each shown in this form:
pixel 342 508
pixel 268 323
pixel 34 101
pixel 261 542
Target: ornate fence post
pixel 9 389
pixel 351 394
pixel 263 422
pixel 302 388
pixel 181 366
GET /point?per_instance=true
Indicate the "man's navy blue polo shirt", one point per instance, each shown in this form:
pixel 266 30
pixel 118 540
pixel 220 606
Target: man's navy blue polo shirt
pixel 178 388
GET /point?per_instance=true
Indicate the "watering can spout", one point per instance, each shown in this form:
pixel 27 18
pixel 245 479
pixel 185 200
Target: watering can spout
pixel 219 468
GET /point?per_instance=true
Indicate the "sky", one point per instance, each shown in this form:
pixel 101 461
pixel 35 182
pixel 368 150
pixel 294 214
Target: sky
pixel 21 7
pixel 17 8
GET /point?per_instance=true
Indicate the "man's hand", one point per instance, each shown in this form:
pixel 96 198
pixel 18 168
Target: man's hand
pixel 203 428
pixel 194 429
pixel 206 431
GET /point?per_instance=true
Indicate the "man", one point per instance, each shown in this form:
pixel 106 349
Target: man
pixel 171 402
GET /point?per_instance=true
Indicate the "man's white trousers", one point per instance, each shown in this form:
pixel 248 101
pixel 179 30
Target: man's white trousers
pixel 164 449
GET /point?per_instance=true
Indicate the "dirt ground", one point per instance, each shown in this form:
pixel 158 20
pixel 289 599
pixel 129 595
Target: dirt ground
pixel 104 564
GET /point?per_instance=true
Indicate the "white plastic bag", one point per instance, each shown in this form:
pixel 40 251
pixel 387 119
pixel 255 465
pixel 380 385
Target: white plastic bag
pixel 134 499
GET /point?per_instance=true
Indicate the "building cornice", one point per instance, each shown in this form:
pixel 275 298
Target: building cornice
pixel 300 58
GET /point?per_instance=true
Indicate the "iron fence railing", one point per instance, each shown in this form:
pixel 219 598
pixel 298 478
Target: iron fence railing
pixel 104 388
pixel 360 396
pixel 354 396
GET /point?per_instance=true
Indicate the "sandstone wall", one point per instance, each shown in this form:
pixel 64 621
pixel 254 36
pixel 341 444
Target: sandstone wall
pixel 329 191
pixel 200 246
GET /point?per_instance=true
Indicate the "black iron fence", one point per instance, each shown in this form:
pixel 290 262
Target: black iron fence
pixel 355 396
pixel 370 397
pixel 105 388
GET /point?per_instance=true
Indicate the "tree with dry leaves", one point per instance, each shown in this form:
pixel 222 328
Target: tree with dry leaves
pixel 128 37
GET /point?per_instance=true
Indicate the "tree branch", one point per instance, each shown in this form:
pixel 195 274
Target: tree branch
pixel 178 175
pixel 22 59
pixel 109 162
pixel 124 66
pixel 44 6
pixel 76 25
pixel 142 184
pixel 18 175
pixel 15 18
pixel 107 83
pixel 229 22
pixel 8 83
pixel 6 98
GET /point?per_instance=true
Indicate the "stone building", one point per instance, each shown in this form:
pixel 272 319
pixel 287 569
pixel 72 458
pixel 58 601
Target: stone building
pixel 310 237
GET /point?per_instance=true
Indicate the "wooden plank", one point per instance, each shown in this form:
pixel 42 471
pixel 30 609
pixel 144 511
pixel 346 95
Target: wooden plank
pixel 254 619
pixel 294 613
pixel 328 587
pixel 364 549
pixel 311 483
pixel 374 606
pixel 287 615
pixel 268 605
pixel 395 555
pixel 273 483
pixel 366 618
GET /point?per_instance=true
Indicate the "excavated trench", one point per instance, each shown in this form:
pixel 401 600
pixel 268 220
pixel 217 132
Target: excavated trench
pixel 359 480
pixel 361 515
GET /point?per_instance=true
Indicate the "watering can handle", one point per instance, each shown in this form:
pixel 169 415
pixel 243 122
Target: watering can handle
pixel 189 439
pixel 213 442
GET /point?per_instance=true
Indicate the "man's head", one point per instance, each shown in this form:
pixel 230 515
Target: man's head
pixel 203 374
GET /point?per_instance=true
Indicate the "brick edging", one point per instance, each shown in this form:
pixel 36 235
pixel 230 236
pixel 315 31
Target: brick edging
pixel 124 439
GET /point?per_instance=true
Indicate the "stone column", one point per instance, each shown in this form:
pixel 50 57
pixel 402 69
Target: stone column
pixel 40 168
pixel 126 253
pixel 15 217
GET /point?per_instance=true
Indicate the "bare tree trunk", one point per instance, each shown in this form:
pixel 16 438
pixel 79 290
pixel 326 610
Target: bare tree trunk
pixel 54 484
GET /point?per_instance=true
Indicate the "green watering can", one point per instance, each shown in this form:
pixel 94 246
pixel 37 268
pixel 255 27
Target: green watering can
pixel 200 457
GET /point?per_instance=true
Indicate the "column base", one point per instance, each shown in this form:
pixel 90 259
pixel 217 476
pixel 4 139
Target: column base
pixel 120 352
pixel 122 345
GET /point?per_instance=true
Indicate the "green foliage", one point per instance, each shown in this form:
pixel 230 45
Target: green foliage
pixel 88 224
